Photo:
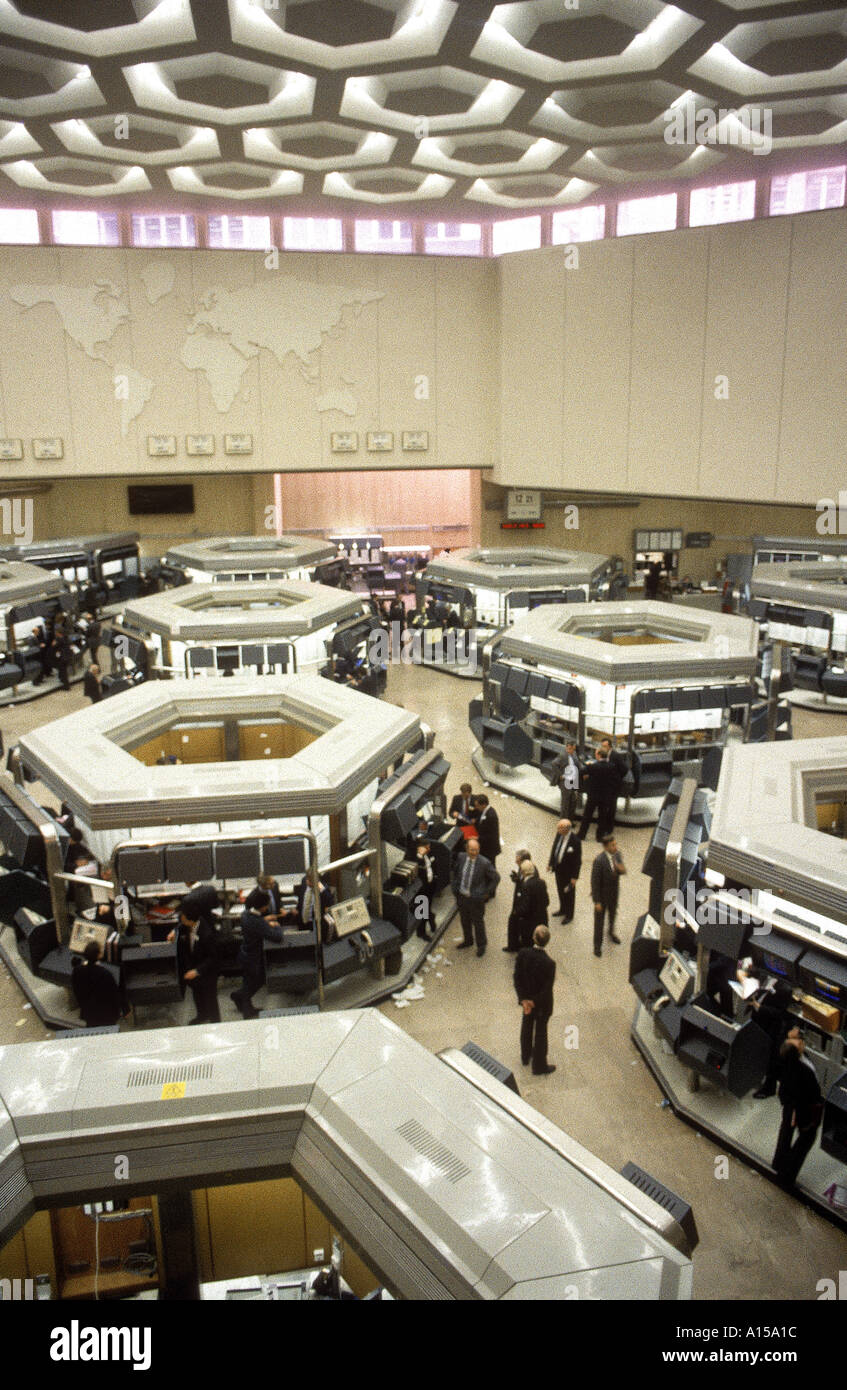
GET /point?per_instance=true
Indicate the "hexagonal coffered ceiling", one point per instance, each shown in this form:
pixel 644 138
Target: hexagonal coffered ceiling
pixel 87 758
pixel 432 106
pixel 622 642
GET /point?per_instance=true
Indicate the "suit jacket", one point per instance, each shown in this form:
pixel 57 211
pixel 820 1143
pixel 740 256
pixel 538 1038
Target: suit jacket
pixel 531 901
pixel 461 807
pixel 571 859
pixel 558 766
pixel 484 877
pixel 254 930
pixel 534 976
pixel 488 834
pixel 202 956
pixel 619 763
pixel 91 688
pixel 603 783
pixel 97 993
pixel 605 881
pixel 799 1091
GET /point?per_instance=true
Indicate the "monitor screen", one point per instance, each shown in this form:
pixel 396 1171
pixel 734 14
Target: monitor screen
pixel 154 499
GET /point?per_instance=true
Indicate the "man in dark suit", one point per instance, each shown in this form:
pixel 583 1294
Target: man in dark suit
pixel 487 829
pixel 461 807
pixel 605 881
pixel 96 989
pixel 92 686
pixel 601 796
pixel 565 773
pixel 201 899
pixel 474 881
pixel 529 907
pixel 802 1108
pixel 255 928
pixel 197 954
pixel 565 862
pixel 534 976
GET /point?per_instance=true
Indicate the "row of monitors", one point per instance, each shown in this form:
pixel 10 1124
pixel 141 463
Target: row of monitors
pixel 690 697
pixel 526 683
pixel 761 609
pixel 217 860
pixel 233 658
pixel 400 818
pixel 21 839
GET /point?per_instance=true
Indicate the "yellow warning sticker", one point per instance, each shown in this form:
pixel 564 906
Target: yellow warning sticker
pixel 174 1090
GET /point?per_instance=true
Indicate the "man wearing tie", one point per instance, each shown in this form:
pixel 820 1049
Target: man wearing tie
pixel 605 882
pixel 487 829
pixel 565 862
pixel 565 772
pixel 461 807
pixel 474 882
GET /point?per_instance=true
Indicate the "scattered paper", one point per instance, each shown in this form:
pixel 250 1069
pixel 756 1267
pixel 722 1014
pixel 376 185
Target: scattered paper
pixel 27 1006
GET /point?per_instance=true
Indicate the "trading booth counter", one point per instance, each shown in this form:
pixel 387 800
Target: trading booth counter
pixel 181 781
pixel 449 1185
pixel 232 559
pixel 719 983
pixel 105 761
pixel 28 597
pixel 104 568
pixel 663 681
pixel 207 629
pixel 804 604
pixel 486 589
pixel 779 822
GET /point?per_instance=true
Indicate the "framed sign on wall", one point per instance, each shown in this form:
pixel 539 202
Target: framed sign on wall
pixel 523 504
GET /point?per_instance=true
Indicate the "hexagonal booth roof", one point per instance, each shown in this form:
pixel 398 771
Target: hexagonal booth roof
pixel 237 612
pixel 765 825
pixel 817 583
pixel 85 758
pixel 622 642
pixel 227 554
pixel 524 568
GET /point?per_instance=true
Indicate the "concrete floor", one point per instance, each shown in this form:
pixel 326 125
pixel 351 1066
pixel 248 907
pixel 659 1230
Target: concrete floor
pixel 755 1241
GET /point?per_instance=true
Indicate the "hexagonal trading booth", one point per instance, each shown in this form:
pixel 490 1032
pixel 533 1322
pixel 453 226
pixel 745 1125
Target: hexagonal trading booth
pixel 803 605
pixel 233 559
pixel 335 781
pixel 758 882
pixel 660 681
pixel 28 596
pixel 481 590
pixel 212 629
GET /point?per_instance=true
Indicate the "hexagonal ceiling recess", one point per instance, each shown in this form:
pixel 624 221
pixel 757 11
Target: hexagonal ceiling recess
pixel 418 107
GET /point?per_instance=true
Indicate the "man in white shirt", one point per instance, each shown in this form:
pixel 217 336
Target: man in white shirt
pixel 565 862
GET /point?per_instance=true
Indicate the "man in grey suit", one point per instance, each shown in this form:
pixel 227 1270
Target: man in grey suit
pixel 565 773
pixel 605 882
pixel 474 881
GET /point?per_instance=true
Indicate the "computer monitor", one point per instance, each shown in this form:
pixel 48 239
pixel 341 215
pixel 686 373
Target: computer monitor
pixel 677 978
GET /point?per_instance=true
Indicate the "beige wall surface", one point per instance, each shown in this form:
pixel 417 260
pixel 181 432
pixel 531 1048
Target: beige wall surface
pixel 88 506
pixel 104 348
pixel 609 530
pixel 711 361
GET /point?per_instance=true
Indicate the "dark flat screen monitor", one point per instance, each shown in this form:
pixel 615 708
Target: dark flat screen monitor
pixel 155 499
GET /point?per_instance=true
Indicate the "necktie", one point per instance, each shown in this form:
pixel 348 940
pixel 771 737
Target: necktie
pixel 467 875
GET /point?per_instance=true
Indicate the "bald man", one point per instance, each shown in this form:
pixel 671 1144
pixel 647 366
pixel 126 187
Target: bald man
pixel 565 862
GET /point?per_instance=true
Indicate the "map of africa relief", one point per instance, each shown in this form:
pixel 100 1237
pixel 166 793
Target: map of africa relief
pixel 142 334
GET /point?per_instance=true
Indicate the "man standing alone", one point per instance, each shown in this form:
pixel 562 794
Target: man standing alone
pixel 534 976
pixel 605 882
